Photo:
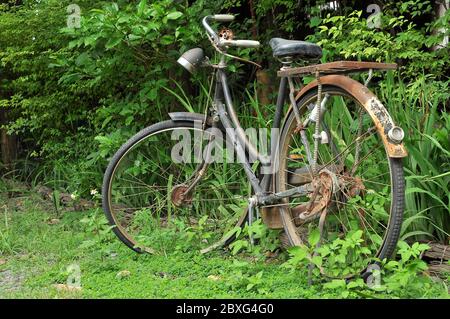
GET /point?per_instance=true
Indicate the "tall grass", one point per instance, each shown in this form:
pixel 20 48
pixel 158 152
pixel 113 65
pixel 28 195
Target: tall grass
pixel 419 108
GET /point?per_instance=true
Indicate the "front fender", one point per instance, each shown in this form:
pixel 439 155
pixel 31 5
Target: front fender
pixel 187 116
pixel 369 101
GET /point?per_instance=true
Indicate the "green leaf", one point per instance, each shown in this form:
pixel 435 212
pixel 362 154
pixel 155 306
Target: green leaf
pixel 298 253
pixel 238 245
pixel 357 235
pixel 423 247
pixel 335 284
pixel 142 6
pixel 437 144
pixel 355 284
pixel 174 15
pixel 113 42
pixel 314 22
pixel 317 260
pixel 167 39
pixel 314 237
pixel 90 40
pixel 412 190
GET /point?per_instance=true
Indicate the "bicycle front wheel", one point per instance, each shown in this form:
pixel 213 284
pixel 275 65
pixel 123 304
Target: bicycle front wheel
pixel 356 191
pixel 146 194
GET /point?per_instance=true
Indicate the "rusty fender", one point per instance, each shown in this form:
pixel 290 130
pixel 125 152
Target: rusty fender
pixel 371 104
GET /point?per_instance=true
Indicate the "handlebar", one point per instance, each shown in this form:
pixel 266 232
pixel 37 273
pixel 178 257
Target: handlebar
pixel 223 17
pixel 226 43
pixel 241 43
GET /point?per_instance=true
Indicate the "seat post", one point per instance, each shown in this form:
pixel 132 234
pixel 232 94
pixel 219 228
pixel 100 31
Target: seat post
pixel 286 62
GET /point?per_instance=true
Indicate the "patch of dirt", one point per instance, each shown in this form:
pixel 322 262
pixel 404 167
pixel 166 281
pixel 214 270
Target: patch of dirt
pixel 10 281
pixel 17 193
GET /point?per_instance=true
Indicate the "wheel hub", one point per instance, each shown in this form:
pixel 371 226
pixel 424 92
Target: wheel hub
pixel 352 185
pixel 179 196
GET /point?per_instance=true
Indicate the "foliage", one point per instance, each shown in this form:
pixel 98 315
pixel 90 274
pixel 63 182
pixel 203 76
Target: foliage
pixel 39 265
pixel 97 226
pixel 30 87
pixel 396 38
pixel 240 279
pixel 267 239
pixel 331 259
pixel 403 277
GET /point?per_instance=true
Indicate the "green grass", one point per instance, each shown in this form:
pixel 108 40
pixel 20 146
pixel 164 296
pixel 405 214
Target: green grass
pixel 35 253
pixel 40 253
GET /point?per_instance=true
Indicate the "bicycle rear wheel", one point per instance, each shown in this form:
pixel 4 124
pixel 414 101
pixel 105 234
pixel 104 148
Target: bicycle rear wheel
pixel 145 190
pixel 356 195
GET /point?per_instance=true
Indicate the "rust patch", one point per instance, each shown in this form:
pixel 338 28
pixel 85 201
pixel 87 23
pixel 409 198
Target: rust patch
pixel 337 67
pixel 384 123
pixel 381 114
pixel 271 217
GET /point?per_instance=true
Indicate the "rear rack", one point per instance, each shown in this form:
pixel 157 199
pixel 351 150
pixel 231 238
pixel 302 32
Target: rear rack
pixel 338 67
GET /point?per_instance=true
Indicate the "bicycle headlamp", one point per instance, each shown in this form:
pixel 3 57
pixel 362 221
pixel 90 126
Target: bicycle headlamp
pixel 396 135
pixel 191 59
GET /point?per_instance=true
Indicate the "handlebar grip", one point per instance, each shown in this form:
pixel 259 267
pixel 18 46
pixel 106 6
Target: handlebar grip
pixel 241 43
pixel 223 17
pixel 247 43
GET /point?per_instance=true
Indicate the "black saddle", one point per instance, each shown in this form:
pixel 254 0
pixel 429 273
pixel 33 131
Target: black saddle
pixel 294 48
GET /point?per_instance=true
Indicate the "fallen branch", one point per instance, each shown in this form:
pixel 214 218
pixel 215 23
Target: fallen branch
pixel 437 258
pixel 438 251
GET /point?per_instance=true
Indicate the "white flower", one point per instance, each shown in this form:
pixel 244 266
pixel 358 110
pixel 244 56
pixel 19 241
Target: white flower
pixel 94 192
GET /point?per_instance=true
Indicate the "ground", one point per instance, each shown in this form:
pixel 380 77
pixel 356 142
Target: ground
pixel 47 253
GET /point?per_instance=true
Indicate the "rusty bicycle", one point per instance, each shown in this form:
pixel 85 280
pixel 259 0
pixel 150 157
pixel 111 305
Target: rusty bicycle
pixel 335 166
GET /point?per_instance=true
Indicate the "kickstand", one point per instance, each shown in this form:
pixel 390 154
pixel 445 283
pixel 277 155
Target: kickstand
pixel 251 210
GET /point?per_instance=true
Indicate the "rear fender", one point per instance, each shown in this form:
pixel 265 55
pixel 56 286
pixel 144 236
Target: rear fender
pixel 369 101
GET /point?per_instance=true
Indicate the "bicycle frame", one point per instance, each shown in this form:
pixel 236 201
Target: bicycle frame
pixel 225 110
